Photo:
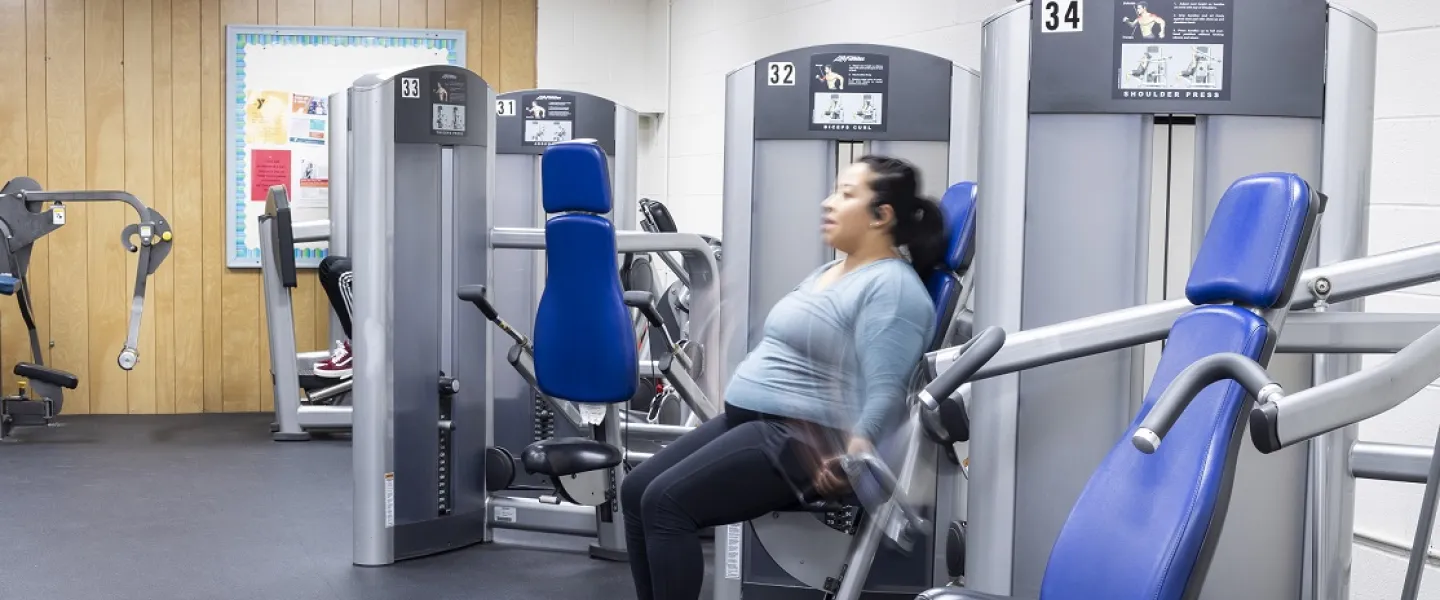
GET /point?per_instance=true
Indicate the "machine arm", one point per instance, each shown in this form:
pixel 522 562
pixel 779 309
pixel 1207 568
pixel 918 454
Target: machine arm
pixel 1187 385
pixel 1287 420
pixel 153 235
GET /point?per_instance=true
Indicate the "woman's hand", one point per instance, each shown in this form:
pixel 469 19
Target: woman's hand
pixel 830 479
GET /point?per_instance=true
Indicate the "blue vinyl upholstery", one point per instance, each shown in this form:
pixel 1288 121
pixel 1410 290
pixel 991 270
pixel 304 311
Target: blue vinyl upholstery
pixel 575 177
pixel 1252 242
pixel 8 283
pixel 1144 525
pixel 584 343
pixel 958 208
pixel 1137 529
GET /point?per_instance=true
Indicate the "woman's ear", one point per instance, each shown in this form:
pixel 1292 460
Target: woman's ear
pixel 884 215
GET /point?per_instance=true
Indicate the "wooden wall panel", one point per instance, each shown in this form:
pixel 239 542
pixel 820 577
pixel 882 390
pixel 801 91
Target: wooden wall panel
pixel 14 148
pixel 66 119
pixel 129 94
pixel 162 288
pixel 38 155
pixel 139 180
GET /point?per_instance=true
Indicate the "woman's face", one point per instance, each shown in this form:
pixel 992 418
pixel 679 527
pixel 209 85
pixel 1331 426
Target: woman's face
pixel 847 216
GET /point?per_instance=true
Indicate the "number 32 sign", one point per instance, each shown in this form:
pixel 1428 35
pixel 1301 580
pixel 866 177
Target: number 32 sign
pixel 1062 16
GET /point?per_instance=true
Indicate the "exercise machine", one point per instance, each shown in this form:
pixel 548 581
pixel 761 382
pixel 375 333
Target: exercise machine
pixel 782 156
pixel 1070 186
pixel 326 403
pixel 24 219
pixel 325 407
pixel 423 418
pixel 1067 237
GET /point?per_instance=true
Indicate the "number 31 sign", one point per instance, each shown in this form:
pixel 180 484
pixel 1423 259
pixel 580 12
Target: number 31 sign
pixel 1062 16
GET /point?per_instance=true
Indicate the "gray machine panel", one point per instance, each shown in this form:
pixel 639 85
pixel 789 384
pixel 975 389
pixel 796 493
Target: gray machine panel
pixel 1251 565
pixel 441 105
pixel 588 116
pixel 786 208
pixel 1272 53
pixel 1079 231
pixel 911 90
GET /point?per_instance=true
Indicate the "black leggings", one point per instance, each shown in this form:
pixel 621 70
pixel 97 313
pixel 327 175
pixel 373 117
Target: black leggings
pixel 728 470
pixel 336 278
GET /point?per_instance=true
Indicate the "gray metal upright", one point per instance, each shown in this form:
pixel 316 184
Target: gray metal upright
pixel 422 143
pixel 1065 167
pixel 527 122
pixel 792 121
pixel 339 149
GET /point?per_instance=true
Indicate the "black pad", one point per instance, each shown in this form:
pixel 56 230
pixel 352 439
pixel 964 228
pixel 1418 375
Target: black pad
pixel 499 469
pixel 567 456
pixel 955 550
pixel 659 215
pixel 47 375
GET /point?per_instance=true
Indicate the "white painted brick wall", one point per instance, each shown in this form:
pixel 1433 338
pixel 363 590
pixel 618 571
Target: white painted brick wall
pixel 708 38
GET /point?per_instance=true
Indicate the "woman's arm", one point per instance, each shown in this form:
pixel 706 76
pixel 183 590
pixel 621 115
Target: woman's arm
pixel 892 330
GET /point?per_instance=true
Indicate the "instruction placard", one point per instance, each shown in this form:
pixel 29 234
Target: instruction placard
pixel 847 91
pixel 447 104
pixel 1172 49
pixel 549 118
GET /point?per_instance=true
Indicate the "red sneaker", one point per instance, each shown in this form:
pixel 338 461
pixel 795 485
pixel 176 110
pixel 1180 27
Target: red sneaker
pixel 338 366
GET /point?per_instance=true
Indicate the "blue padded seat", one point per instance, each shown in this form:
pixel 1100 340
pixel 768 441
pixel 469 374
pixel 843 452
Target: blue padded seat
pixel 1145 526
pixel 8 283
pixel 584 344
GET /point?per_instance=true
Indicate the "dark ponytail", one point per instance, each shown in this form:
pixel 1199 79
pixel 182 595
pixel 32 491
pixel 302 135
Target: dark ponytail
pixel 919 224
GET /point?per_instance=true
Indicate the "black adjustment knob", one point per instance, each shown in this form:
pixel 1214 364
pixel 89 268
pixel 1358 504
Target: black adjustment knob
pixel 449 385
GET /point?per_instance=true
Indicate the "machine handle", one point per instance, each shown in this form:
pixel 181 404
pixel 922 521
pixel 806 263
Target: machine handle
pixel 1187 385
pixel 475 294
pixel 973 355
pixel 645 301
pixel 855 464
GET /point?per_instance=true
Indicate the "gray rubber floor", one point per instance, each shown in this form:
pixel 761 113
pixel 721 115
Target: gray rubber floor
pixel 207 507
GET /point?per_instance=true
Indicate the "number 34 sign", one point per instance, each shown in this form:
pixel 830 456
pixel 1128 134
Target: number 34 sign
pixel 1062 16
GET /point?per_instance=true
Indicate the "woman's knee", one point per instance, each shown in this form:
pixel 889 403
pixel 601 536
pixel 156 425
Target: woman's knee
pixel 632 491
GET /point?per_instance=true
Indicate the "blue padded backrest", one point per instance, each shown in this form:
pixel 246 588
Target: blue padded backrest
pixel 1141 522
pixel 944 288
pixel 575 176
pixel 958 207
pixel 584 342
pixel 1252 246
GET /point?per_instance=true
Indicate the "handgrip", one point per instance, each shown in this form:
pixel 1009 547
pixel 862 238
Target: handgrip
pixel 1189 383
pixel 475 294
pixel 645 301
pixel 854 465
pixel 973 355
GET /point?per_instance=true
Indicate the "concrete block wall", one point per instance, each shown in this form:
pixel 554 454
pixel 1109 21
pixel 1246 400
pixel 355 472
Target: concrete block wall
pixel 671 57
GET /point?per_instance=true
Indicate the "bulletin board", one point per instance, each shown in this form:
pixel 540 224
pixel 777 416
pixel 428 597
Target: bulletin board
pixel 278 83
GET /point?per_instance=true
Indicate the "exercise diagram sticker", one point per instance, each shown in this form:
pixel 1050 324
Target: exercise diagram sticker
pixel 847 91
pixel 549 118
pixel 447 104
pixel 1172 49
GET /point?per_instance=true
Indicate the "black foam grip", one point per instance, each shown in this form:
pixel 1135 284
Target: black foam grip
pixel 475 294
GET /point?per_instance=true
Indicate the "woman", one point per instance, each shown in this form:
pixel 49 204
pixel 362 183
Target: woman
pixel 828 377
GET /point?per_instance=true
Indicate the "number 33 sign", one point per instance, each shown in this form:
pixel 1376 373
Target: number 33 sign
pixel 1061 16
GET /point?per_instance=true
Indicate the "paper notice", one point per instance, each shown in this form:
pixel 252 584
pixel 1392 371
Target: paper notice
pixel 267 168
pixel 265 117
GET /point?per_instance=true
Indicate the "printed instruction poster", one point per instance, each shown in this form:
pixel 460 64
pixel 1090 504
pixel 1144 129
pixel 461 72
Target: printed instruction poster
pixel 847 91
pixel 447 104
pixel 549 118
pixel 1172 49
